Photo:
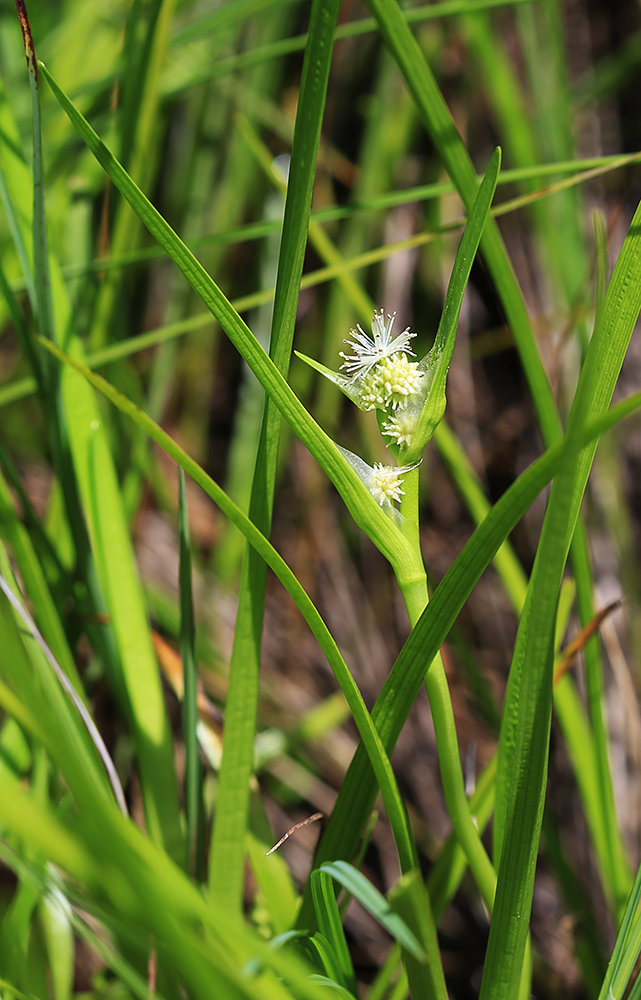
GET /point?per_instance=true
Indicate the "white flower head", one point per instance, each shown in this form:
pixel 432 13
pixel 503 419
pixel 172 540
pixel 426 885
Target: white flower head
pixel 387 481
pixel 401 426
pixel 391 382
pixel 369 351
pixel 383 481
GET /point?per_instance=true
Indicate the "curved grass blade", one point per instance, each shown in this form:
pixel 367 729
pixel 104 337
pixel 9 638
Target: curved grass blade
pixel 358 791
pixel 627 948
pixel 71 693
pixel 380 761
pixel 323 952
pixel 329 923
pixel 376 904
pixel 363 508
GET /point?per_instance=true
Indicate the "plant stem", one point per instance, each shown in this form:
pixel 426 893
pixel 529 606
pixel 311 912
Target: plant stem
pixel 438 693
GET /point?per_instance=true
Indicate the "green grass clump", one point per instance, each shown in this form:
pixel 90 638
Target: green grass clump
pixel 188 193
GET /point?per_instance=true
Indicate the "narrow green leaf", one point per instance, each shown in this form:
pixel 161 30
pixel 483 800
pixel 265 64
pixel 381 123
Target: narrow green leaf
pixel 365 511
pixel 458 164
pixel 380 761
pixel 329 923
pixel 55 920
pixel 69 690
pixel 226 866
pixel 627 948
pixel 190 683
pixel 410 900
pixel 358 791
pixel 376 904
pixel 323 952
pixel 439 358
pixel 524 744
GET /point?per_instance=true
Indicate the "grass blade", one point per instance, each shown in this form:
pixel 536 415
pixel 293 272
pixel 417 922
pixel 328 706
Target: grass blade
pixel 226 867
pixel 523 749
pixel 72 694
pixel 441 354
pixel 376 904
pixel 190 684
pixel 458 164
pixel 410 900
pixel 365 511
pixel 329 923
pixel 380 761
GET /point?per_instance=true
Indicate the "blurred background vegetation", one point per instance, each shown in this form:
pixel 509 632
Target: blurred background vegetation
pixel 198 102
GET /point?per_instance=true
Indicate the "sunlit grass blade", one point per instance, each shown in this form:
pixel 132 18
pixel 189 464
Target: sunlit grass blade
pixel 190 684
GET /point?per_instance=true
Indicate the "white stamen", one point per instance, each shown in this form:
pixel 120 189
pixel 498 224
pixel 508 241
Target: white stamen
pixel 368 351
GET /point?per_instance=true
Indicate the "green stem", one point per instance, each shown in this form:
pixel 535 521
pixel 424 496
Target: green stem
pixel 438 693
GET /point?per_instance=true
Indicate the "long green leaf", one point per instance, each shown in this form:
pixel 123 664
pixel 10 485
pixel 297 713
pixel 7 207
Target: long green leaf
pixel 376 904
pixel 458 164
pixel 190 683
pixel 358 791
pixel 329 923
pixel 441 354
pixel 227 850
pixel 380 761
pixel 524 743
pixel 365 511
pixel 410 900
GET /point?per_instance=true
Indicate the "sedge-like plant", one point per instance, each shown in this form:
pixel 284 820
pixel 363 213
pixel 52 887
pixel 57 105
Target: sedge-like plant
pixel 154 881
